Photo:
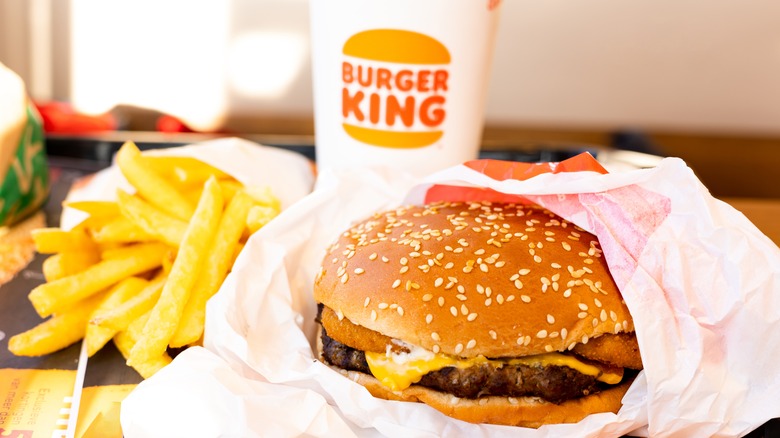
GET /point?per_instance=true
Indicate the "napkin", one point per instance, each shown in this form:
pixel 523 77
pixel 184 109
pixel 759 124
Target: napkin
pixel 700 280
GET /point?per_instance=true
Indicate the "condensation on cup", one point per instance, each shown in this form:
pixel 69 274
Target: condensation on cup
pixel 400 83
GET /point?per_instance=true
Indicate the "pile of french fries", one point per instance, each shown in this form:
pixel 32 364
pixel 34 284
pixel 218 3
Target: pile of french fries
pixel 140 269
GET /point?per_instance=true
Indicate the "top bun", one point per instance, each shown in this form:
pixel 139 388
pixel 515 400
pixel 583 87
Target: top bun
pixel 470 279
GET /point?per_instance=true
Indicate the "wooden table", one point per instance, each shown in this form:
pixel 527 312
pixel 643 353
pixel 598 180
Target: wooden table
pixel 764 213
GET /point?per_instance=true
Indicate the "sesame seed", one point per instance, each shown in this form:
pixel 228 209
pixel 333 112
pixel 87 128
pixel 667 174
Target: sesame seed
pixel 368 300
pixel 567 293
pixel 537 259
pixel 556 266
pixel 385 259
pixel 566 246
pixel 500 299
pixel 584 339
pixel 518 284
pixel 438 282
pixel 404 260
pixel 454 311
pixel 461 297
pixel 449 265
pixel 441 301
pixel 340 315
pixel 603 315
pixel 510 298
pixel 548 348
pixel 427 297
pixel 372 256
pixel 564 332
pixel 595 322
pixel 493 334
pixel 400 310
pixel 458 348
pixel 582 306
pixel 428 318
pixel 488 301
pixel 373 315
pixel 597 302
pixel 512 400
pixel 471 344
pixel 403 269
pixel 500 264
pixel 550 319
pixel 457 250
pixel 472 316
pixel 396 283
pixel 344 278
pixel 617 328
pixel 464 310
pixel 525 298
pixel 359 271
pixel 541 334
pixel 479 251
pixel 582 315
pixel 461 288
pixel 383 306
pixel 483 267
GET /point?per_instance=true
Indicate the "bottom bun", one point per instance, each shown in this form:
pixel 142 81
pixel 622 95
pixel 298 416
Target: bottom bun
pixel 511 411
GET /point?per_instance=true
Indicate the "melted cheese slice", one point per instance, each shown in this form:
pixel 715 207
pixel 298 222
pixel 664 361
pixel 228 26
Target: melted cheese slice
pixel 398 371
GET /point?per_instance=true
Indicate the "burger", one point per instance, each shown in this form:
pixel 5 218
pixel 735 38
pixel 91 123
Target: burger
pixel 490 313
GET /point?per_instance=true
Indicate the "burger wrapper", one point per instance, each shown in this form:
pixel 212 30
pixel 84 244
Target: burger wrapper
pixel 699 279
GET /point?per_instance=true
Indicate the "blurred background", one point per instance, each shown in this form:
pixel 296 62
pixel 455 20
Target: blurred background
pixel 698 79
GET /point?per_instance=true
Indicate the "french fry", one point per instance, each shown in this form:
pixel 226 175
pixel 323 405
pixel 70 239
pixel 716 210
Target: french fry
pixel 151 220
pixel 259 216
pixel 101 209
pixel 165 315
pixel 185 171
pixel 120 316
pixel 52 297
pixel 151 186
pixel 54 240
pixel 57 332
pixel 121 230
pixel 126 340
pixel 68 263
pixel 97 336
pixel 264 196
pixel 213 272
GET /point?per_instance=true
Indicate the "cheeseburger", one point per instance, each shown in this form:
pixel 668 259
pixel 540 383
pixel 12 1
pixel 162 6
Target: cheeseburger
pixel 490 313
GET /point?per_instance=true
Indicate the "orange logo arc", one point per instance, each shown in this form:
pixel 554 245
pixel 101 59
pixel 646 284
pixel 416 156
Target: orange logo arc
pixel 395 45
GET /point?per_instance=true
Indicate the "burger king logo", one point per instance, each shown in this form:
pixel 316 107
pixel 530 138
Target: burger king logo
pixel 395 88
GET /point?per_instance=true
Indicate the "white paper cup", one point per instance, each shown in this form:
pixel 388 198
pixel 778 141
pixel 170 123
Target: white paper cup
pixel 400 82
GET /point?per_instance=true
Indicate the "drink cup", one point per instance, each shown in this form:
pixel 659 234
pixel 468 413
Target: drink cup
pixel 400 83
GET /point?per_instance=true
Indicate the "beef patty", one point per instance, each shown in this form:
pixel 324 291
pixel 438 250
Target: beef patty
pixel 552 383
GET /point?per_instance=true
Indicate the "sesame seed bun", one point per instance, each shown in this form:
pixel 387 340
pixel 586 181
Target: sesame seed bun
pixel 471 279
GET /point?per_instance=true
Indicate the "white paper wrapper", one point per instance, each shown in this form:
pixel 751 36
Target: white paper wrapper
pixel 700 280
